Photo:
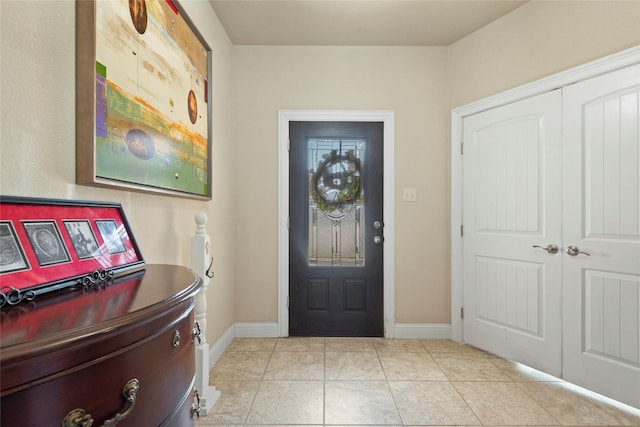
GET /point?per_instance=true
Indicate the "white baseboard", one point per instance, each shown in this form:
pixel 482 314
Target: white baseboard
pixel 423 330
pixel 216 350
pixel 256 330
pixel 402 330
pixel 240 330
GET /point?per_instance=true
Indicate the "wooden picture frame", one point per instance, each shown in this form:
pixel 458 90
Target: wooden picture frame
pixel 143 98
pixel 51 244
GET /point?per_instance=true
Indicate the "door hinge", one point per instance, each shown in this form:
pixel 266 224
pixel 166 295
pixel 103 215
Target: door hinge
pixel 461 230
pixel 462 312
pixel 461 147
pixel 289 145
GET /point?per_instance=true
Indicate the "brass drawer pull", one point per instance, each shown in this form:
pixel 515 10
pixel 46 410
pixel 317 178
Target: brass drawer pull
pixel 79 417
pixel 195 406
pixel 196 333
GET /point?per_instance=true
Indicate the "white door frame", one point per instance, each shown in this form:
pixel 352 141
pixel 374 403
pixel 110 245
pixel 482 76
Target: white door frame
pixel 607 64
pixel 284 117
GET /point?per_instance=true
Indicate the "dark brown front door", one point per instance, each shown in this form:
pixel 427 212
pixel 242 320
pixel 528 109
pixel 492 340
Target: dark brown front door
pixel 335 229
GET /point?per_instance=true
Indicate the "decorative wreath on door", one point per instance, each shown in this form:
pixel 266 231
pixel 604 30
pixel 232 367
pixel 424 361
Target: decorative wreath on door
pixel 336 184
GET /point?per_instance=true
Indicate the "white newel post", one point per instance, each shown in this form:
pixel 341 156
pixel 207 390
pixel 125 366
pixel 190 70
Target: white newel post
pixel 200 262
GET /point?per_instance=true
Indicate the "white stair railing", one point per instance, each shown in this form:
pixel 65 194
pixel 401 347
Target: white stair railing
pixel 201 263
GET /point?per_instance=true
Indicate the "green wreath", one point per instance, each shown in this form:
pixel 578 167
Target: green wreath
pixel 336 190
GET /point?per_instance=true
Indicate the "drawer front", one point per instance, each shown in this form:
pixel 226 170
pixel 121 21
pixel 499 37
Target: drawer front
pixel 164 365
pixel 184 415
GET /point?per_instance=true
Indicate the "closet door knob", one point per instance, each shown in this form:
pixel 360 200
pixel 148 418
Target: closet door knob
pixel 551 248
pixel 574 251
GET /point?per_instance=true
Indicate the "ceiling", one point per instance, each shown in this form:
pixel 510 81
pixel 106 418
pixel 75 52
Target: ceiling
pixel 356 22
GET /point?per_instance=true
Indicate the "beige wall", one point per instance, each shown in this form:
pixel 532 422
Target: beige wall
pixel 250 85
pixel 537 40
pixel 37 141
pixel 409 81
pixel 421 85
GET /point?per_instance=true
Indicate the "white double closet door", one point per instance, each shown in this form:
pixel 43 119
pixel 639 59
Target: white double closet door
pixel 551 246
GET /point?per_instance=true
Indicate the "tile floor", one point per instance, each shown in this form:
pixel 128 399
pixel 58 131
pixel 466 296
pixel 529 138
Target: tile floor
pixel 392 382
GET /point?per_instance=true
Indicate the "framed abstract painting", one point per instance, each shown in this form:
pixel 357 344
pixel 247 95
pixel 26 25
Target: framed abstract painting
pixel 143 98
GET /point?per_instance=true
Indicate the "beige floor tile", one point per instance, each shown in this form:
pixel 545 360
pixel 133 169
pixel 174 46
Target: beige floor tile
pixel 571 407
pixel 288 402
pixel 204 422
pixel 384 345
pixel 252 344
pixel 431 403
pixel 334 382
pixel 468 367
pixel 359 402
pixel 295 365
pixel 242 365
pixel 410 366
pixel 353 365
pixel 234 403
pixel 448 346
pixel 503 403
pixel 300 344
pixel 626 417
pixel 518 372
pixel 349 344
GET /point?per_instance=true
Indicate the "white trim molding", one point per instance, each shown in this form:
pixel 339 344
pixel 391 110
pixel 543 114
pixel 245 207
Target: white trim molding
pixel 219 347
pixel 423 330
pixel 601 66
pixel 387 118
pixel 256 330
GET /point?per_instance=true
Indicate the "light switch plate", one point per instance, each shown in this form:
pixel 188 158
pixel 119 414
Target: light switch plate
pixel 409 195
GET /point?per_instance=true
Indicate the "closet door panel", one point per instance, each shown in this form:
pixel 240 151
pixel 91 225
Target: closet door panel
pixel 601 234
pixel 512 202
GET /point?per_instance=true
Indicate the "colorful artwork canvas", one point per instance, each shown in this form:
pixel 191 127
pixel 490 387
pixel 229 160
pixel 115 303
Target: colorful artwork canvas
pixel 152 127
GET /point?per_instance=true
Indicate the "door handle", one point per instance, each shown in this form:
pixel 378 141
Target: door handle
pixel 574 251
pixel 551 248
